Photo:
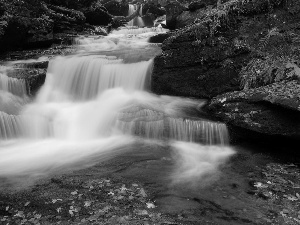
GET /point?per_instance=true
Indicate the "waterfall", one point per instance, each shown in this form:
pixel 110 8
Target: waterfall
pixel 137 21
pixel 130 11
pixel 10 126
pixel 151 124
pixel 95 104
pixel 141 10
pixel 202 131
pixel 85 77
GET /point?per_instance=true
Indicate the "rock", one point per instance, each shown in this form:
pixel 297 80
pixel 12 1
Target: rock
pixel 117 8
pixel 187 17
pixel 97 15
pixel 153 9
pixel 159 38
pixel 201 69
pixel 273 109
pixel 193 6
pixel 34 74
pixel 172 11
pixel 32 24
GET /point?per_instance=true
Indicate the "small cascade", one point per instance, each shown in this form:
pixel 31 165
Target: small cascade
pixel 85 77
pixel 10 126
pixel 11 104
pixel 130 11
pixel 141 10
pixel 140 31
pixel 12 85
pixel 137 21
pixel 201 131
pixel 13 96
pixel 152 124
pixel 142 122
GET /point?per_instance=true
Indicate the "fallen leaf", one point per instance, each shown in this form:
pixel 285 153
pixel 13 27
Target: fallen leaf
pixel 27 203
pixel 143 193
pixel 74 193
pixel 150 205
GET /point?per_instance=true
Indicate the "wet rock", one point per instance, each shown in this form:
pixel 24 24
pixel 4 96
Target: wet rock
pixel 200 68
pixel 272 109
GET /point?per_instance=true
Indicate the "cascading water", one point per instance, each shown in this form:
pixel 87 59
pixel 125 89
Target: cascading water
pixel 94 105
pixel 137 21
pixel 13 97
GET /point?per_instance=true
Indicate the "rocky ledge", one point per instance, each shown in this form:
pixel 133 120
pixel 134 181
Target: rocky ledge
pixel 272 109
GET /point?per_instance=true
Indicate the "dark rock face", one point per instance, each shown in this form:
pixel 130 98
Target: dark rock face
pixel 198 69
pixel 172 11
pixel 272 109
pixel 159 38
pixel 97 15
pixel 116 8
pixel 197 5
pixel 32 24
pixel 153 9
pixel 36 24
pixel 188 17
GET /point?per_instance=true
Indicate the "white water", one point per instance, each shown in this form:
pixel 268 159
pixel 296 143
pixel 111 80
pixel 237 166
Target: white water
pixel 13 85
pixel 94 106
pixel 123 39
pixel 137 21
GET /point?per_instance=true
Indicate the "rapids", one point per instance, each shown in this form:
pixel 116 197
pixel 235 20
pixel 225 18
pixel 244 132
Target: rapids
pixel 96 104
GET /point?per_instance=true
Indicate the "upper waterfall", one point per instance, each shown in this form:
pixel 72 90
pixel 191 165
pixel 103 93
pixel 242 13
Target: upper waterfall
pixel 85 77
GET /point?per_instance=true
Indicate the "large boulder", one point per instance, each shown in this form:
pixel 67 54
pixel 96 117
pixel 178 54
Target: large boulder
pixel 273 109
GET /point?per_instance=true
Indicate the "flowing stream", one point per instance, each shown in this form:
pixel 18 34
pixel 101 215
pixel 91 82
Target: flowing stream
pixel 96 104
